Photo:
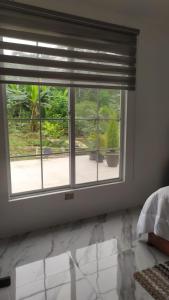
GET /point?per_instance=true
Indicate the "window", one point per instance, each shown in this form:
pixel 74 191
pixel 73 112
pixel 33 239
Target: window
pixel 61 137
pixel 65 79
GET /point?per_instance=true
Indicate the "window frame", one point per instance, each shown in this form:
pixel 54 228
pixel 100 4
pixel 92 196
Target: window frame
pixel 72 153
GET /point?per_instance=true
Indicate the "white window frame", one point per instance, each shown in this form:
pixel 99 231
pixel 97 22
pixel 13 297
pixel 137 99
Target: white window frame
pixel 72 156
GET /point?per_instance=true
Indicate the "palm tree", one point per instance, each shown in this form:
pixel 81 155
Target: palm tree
pixel 35 95
pixel 16 100
pixel 32 92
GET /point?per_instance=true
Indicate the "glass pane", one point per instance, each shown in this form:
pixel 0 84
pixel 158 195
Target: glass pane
pixel 86 166
pixel 86 103
pixel 86 135
pixel 109 146
pixel 56 170
pixel 54 103
pixel 25 174
pixel 98 113
pixel 109 169
pixel 109 135
pixel 110 139
pixel 109 103
pixel 24 138
pixel 55 137
pixel 23 101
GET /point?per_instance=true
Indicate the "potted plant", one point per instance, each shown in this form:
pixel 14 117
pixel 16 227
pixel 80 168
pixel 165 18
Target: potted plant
pixel 112 142
pixel 94 154
pixel 101 146
pixel 92 146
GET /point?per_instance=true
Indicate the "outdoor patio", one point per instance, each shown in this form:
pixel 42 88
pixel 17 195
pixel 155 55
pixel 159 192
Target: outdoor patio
pixel 26 174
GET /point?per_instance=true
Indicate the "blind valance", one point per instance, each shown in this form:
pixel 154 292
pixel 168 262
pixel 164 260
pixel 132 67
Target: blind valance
pixel 43 46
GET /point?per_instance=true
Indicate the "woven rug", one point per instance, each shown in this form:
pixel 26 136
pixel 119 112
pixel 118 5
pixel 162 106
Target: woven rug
pixel 155 281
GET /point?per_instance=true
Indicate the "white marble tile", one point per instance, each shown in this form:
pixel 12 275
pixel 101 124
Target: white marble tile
pixel 61 292
pixel 87 260
pixel 39 296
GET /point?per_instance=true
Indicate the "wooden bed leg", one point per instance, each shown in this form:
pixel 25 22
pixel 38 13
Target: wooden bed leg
pixel 159 243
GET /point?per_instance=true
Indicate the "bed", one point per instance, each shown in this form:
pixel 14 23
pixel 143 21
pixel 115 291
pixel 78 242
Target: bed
pixel 154 219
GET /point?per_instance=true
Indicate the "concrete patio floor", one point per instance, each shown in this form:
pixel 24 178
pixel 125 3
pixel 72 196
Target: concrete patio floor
pixel 26 174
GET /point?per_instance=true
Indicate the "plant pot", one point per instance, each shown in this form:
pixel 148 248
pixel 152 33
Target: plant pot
pixel 112 159
pixel 92 155
pixel 99 157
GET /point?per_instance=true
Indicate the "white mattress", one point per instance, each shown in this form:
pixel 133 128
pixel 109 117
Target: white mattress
pixel 154 216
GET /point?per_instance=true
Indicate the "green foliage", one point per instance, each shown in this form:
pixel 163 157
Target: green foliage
pixel 112 134
pixel 102 141
pixel 53 130
pixel 16 101
pixel 55 137
pixel 96 141
pixel 92 105
pixel 57 103
pixel 92 141
pixel 85 94
pixel 109 99
pixel 56 107
pixel 85 110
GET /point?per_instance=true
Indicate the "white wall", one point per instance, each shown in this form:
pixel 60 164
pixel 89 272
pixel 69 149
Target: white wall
pixel 147 159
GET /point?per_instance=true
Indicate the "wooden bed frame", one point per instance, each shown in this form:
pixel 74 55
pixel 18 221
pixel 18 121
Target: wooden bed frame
pixel 158 242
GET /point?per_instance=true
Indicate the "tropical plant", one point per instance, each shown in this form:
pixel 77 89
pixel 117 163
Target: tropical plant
pixel 56 107
pixel 85 110
pixel 112 134
pixel 57 103
pixel 92 141
pixel 35 95
pixel 52 130
pixel 102 141
pixel 24 101
pixel 17 105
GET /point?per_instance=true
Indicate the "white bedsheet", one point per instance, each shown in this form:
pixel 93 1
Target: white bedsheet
pixel 154 216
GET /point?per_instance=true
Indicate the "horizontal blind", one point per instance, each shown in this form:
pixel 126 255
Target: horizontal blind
pixel 39 46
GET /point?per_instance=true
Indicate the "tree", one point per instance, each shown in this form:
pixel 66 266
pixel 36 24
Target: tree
pixel 35 95
pixel 112 135
pixel 17 105
pixel 57 103
pixel 23 101
pixel 56 107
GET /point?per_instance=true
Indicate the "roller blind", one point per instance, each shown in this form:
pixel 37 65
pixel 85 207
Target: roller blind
pixel 42 46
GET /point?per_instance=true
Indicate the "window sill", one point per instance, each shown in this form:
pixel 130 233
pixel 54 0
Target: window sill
pixel 50 192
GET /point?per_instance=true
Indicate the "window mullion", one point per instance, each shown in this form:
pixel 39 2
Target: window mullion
pixel 97 135
pixel 72 135
pixel 41 140
pixel 123 122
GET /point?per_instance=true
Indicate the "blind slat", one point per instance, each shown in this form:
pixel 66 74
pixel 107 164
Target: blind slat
pixel 67 65
pixel 71 76
pixel 123 49
pixel 65 84
pixel 45 46
pixel 97 56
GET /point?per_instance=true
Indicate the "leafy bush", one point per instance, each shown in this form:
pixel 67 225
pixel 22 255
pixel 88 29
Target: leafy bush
pixel 53 130
pixel 57 103
pixel 84 111
pixel 112 134
pixel 92 141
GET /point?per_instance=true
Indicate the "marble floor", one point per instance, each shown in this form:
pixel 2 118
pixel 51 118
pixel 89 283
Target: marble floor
pixel 87 260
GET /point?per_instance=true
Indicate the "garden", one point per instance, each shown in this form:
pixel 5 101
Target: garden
pixel 38 121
